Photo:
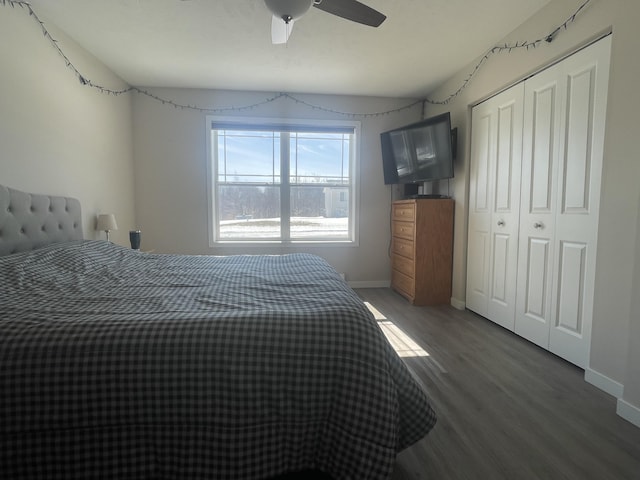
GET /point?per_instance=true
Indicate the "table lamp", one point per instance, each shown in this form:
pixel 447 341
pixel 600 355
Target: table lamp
pixel 107 222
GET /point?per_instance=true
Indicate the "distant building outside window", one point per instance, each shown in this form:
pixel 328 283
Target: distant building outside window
pixel 275 181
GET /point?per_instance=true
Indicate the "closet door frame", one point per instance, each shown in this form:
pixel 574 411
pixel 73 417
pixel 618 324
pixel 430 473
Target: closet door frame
pixel 559 167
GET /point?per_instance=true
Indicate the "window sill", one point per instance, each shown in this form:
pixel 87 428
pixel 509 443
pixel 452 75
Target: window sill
pixel 280 244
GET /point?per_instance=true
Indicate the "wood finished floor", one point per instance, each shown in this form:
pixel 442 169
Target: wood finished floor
pixel 506 408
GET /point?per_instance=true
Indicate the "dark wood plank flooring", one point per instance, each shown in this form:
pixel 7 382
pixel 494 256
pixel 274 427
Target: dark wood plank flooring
pixel 506 408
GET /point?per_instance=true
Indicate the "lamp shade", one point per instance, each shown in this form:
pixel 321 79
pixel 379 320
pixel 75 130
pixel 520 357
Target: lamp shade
pixel 106 222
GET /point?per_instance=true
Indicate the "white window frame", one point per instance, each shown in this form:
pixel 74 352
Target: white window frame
pixel 212 165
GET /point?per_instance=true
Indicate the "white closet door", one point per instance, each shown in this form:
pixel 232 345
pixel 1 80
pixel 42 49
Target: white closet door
pixel 494 201
pixel 585 79
pixel 565 110
pixel 541 144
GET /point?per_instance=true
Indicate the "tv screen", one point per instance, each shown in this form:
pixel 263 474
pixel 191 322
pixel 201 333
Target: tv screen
pixel 419 152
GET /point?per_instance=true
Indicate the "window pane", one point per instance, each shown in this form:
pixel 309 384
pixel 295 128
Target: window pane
pixel 319 212
pixel 248 212
pixel 319 158
pixel 252 200
pixel 248 157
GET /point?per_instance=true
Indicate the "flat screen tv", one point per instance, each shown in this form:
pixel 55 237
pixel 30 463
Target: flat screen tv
pixel 420 152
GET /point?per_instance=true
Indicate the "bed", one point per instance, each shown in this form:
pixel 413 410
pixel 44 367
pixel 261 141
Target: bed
pixel 121 364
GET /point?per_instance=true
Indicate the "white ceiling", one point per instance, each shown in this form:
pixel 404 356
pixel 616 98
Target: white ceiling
pixel 226 44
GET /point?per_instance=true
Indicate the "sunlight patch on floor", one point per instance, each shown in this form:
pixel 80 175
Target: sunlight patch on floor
pixel 402 343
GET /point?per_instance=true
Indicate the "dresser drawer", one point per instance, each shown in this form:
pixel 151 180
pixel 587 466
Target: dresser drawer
pixel 403 229
pixel 402 283
pixel 403 265
pixel 403 247
pixel 404 212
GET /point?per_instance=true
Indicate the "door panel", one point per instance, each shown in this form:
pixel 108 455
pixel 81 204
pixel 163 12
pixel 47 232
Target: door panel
pixel 577 159
pixel 538 273
pixel 499 289
pixel 477 271
pixel 482 163
pixel 585 76
pixel 533 320
pixel 540 147
pixel 494 206
pixel 504 178
pixel 543 137
pixel 506 208
pixel 571 293
pixel 478 251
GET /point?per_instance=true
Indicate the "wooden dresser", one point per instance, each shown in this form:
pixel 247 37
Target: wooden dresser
pixel 422 250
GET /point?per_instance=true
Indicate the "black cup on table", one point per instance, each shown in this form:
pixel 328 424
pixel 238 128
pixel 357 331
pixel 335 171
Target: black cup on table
pixel 134 238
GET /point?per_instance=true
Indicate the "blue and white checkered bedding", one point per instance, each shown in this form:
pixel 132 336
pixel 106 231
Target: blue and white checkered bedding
pixel 121 364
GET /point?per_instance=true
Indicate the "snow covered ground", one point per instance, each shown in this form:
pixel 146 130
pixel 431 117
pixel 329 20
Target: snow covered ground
pixel 269 228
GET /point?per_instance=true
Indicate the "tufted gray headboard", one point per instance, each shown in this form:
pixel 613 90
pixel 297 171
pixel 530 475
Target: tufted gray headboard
pixel 29 221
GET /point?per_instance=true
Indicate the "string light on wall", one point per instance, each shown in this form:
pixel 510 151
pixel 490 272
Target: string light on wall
pixel 508 48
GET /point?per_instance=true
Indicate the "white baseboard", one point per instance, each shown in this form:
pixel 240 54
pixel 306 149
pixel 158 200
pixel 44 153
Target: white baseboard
pixel 455 303
pixel 376 284
pixel 629 412
pixel 604 383
pixel 458 304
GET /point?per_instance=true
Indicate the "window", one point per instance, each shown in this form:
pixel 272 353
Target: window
pixel 282 182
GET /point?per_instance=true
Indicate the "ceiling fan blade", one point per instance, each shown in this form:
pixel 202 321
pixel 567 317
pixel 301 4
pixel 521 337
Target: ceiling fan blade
pixel 351 10
pixel 280 30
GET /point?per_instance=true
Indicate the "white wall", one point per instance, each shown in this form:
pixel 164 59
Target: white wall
pixel 615 345
pixel 58 136
pixel 171 182
pixel 629 405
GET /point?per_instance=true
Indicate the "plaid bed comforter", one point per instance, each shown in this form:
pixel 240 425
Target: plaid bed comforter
pixel 120 364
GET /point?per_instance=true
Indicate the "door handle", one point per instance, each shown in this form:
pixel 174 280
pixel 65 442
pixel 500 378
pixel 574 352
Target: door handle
pixel 538 225
pixel 501 223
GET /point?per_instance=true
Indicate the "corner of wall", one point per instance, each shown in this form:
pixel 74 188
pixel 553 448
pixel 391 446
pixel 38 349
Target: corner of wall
pixel 629 412
pixel 458 304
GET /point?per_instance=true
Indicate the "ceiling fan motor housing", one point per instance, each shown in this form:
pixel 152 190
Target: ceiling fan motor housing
pixel 288 9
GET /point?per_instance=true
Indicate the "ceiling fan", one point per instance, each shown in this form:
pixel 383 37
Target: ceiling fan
pixel 286 12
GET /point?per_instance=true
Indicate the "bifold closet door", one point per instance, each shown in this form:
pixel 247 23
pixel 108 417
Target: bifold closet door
pixel 494 200
pixel 564 124
pixel 541 149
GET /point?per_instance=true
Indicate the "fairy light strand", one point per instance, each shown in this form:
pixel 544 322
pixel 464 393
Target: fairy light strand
pixel 105 90
pixel 508 48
